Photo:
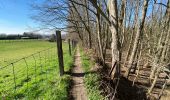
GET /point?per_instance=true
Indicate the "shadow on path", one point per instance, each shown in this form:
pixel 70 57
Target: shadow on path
pixel 79 74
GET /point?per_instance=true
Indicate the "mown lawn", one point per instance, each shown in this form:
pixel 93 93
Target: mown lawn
pixel 37 76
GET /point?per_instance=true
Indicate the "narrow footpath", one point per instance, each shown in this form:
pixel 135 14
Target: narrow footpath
pixel 77 91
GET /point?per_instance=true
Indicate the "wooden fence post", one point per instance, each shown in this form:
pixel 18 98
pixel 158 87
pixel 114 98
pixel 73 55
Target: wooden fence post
pixel 72 44
pixel 60 52
pixel 69 46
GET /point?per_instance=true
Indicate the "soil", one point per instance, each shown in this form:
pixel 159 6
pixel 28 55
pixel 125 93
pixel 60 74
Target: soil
pixel 125 89
pixel 77 91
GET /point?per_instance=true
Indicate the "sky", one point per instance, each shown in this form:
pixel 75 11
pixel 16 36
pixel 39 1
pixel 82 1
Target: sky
pixel 15 16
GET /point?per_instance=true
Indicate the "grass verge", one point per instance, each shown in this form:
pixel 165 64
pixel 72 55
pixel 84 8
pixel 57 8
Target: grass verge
pixel 91 79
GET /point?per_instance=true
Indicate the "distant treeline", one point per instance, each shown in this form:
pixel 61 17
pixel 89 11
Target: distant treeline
pixel 25 35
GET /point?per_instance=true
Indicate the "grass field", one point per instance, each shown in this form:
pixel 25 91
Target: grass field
pixel 36 76
pixel 11 51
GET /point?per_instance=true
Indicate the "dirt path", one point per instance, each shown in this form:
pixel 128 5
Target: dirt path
pixel 78 91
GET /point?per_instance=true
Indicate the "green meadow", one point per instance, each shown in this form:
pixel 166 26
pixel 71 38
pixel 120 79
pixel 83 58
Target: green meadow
pixel 35 73
pixel 13 50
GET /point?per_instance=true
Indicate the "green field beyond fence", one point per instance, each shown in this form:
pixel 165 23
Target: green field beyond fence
pixel 32 71
pixel 11 51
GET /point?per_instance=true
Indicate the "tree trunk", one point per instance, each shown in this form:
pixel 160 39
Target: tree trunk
pixel 115 39
pixel 85 25
pixel 99 35
pixel 123 21
pixel 154 82
pixel 138 64
pixel 137 38
pixel 132 35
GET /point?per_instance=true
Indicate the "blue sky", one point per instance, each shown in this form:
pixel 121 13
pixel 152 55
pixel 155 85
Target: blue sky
pixel 15 16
